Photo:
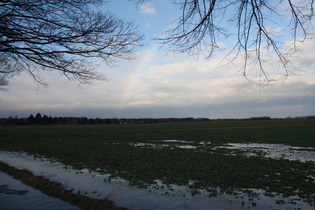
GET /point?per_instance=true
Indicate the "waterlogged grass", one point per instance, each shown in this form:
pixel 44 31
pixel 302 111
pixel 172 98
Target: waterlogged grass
pixel 110 149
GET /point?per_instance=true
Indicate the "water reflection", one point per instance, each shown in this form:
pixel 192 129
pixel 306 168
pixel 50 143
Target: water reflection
pixel 278 151
pixel 270 150
pixel 16 195
pixel 94 185
pixel 6 190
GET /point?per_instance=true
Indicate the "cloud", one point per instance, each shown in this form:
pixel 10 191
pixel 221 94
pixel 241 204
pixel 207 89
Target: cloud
pixel 274 30
pixel 148 25
pixel 147 8
pixel 167 86
pixel 155 95
pixel 189 83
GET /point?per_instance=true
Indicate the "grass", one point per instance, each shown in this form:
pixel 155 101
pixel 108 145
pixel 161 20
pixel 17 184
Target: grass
pixel 108 147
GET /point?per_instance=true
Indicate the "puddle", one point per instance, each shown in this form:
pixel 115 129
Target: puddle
pixel 177 141
pixel 270 150
pixel 156 197
pixel 16 195
pixel 168 143
pixel 278 151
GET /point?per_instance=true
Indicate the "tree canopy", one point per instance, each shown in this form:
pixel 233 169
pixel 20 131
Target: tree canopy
pixel 66 35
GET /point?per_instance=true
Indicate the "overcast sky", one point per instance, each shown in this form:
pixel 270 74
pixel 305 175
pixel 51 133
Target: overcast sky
pixel 159 84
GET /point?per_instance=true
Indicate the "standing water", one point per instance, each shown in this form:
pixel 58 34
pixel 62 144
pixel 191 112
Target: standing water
pixel 16 195
pixel 94 185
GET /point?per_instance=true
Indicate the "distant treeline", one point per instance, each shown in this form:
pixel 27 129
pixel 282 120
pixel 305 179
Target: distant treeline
pixel 39 119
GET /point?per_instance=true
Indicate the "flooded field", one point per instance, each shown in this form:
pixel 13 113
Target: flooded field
pixel 277 151
pixel 157 196
pixel 212 165
pixel 267 150
pixel 12 198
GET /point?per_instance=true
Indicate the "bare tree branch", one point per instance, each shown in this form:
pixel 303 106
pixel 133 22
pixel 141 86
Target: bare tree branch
pixel 63 36
pixel 204 22
pixel 66 36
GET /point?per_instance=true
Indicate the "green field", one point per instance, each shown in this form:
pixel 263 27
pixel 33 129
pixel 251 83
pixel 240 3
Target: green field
pixel 110 149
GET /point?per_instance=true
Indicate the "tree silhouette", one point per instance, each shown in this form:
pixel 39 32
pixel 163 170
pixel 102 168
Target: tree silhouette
pixel 38 118
pixel 65 36
pixel 62 36
pixel 256 27
pixel 31 119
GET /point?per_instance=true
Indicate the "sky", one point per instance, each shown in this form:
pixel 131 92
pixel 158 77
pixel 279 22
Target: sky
pixel 160 84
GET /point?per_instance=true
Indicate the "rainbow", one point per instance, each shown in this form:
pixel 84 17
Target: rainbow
pixel 141 65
